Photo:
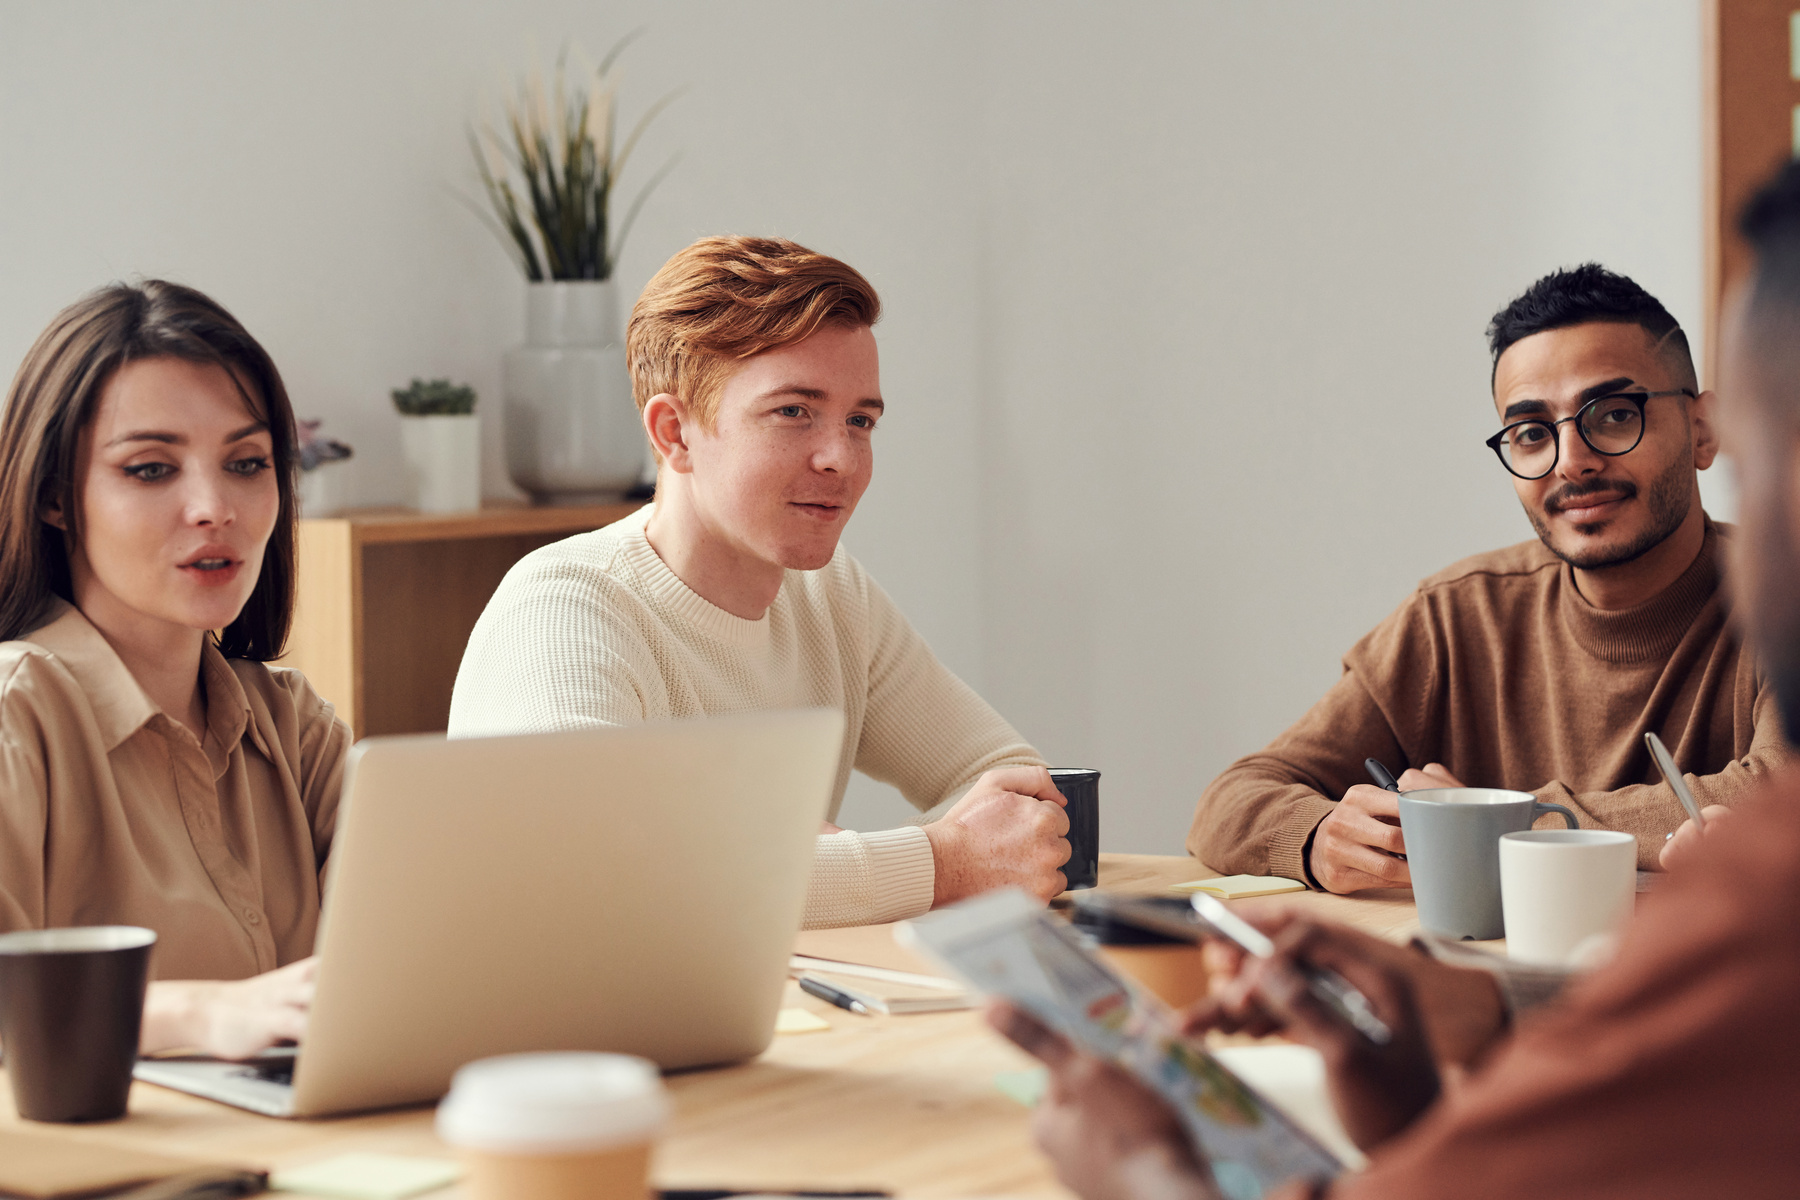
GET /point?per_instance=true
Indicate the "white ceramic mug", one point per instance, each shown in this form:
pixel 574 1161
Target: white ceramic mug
pixel 566 1126
pixel 1566 892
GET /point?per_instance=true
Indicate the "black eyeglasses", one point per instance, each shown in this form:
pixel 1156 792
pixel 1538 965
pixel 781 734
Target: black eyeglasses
pixel 1610 425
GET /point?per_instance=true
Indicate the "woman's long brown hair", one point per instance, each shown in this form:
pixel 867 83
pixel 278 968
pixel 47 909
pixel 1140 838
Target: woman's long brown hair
pixel 54 397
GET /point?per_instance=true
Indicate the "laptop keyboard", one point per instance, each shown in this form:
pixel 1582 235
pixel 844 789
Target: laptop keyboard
pixel 275 1070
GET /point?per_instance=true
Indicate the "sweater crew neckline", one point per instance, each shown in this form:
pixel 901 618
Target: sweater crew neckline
pixel 1654 628
pixel 683 602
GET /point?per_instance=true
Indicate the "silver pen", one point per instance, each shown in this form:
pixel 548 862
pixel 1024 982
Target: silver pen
pixel 1665 763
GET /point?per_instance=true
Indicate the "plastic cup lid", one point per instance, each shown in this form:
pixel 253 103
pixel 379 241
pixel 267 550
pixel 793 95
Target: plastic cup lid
pixel 543 1103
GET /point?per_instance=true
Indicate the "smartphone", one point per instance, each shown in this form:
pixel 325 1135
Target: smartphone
pixel 1206 916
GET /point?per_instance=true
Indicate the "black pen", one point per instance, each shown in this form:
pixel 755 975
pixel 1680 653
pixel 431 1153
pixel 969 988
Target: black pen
pixel 1381 775
pixel 831 995
pixel 1383 778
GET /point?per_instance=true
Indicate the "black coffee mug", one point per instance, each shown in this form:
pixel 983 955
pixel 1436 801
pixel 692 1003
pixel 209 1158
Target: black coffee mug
pixel 71 1009
pixel 1081 788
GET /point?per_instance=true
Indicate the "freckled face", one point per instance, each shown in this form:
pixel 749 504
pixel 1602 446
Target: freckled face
pixel 791 449
pixel 177 495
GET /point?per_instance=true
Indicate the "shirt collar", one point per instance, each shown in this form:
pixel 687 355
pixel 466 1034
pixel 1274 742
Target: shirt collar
pixel 119 703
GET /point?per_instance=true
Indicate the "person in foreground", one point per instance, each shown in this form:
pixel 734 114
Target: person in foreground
pixel 1538 667
pixel 753 362
pixel 151 772
pixel 1674 1071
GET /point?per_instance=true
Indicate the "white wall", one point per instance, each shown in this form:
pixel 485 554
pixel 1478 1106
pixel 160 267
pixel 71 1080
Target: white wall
pixel 1183 352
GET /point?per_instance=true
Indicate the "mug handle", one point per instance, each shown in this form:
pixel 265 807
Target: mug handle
pixel 1539 808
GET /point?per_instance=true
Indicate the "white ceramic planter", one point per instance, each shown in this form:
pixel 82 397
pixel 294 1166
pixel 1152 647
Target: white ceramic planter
pixel 572 431
pixel 443 461
pixel 322 489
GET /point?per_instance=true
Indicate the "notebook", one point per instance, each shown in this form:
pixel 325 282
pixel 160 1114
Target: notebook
pixel 1241 887
pixel 866 962
pixel 53 1166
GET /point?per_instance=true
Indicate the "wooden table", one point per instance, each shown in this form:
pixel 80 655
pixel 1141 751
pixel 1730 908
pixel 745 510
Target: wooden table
pixel 902 1103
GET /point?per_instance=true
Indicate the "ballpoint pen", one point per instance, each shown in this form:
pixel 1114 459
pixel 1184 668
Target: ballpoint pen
pixel 1383 778
pixel 1665 762
pixel 831 995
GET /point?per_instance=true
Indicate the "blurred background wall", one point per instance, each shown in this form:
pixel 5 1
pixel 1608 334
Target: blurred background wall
pixel 1183 348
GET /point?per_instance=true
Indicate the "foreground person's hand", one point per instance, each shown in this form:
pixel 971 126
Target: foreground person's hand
pixel 1009 830
pixel 1377 1090
pixel 1687 839
pixel 230 1019
pixel 1460 1010
pixel 1108 1136
pixel 1353 848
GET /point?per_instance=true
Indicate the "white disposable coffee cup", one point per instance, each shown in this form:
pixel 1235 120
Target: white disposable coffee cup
pixel 1565 891
pixel 565 1126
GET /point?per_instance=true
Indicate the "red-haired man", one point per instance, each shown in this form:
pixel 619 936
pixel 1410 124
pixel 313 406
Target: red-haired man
pixel 754 364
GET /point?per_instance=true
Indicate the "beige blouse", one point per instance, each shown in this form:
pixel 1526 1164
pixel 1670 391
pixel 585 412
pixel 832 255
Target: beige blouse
pixel 111 812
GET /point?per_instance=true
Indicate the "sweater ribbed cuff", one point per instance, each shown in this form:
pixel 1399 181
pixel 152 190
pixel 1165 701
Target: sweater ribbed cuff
pixel 870 878
pixel 1287 848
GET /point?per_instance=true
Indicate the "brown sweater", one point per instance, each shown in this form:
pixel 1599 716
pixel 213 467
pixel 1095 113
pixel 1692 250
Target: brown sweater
pixel 1500 669
pixel 1672 1072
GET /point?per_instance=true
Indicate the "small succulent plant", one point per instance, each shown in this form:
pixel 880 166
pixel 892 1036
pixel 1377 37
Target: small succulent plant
pixel 439 397
pixel 317 449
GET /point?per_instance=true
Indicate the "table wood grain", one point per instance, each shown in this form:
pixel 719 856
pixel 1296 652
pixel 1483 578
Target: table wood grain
pixel 903 1103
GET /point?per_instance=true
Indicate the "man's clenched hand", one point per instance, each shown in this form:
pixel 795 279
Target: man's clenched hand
pixel 1009 830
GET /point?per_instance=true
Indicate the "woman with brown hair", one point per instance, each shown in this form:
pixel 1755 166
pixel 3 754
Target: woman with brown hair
pixel 153 770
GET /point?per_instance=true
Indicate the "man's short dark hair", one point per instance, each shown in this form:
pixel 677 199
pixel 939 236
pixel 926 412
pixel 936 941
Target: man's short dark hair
pixel 1578 295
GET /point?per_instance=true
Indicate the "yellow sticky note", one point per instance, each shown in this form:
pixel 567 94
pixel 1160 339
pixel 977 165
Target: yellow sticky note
pixel 1238 887
pixel 368 1177
pixel 798 1020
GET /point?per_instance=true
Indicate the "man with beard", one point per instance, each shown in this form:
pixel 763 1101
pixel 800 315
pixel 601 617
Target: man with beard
pixel 1672 1072
pixel 1538 667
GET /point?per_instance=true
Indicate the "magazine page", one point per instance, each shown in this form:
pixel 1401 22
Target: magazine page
pixel 1007 945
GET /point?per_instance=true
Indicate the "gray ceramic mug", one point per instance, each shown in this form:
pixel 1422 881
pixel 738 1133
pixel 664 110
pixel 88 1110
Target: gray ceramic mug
pixel 1453 847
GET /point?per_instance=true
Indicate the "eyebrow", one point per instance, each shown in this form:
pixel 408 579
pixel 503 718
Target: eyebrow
pixel 178 439
pixel 1533 408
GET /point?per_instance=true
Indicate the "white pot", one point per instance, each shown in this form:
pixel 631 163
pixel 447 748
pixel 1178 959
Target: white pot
pixel 443 461
pixel 322 489
pixel 572 430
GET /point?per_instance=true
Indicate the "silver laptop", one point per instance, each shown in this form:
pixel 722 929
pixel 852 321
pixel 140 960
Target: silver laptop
pixel 634 890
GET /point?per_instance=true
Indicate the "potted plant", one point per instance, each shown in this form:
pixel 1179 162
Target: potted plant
pixel 440 441
pixel 321 470
pixel 572 433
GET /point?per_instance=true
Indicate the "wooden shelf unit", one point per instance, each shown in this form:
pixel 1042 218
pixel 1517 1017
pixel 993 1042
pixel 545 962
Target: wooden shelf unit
pixel 1750 124
pixel 387 599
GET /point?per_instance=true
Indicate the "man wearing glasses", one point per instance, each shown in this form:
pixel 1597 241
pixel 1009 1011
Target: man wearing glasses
pixel 1538 667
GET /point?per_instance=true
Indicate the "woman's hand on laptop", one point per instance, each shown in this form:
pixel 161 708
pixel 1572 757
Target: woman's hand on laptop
pixel 230 1019
pixel 1009 830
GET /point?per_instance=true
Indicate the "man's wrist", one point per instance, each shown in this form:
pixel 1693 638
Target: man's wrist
pixel 1306 849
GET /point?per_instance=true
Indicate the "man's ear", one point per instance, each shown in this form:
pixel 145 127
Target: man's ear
pixel 1702 423
pixel 666 424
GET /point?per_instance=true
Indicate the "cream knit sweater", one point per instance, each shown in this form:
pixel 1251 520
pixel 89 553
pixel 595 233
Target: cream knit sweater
pixel 596 630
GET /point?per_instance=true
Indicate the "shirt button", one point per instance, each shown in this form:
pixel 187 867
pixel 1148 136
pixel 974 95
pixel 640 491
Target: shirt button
pixel 252 916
